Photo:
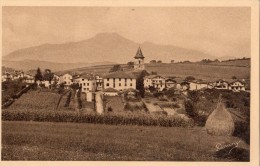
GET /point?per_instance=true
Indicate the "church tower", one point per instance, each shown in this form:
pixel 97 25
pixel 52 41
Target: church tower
pixel 139 60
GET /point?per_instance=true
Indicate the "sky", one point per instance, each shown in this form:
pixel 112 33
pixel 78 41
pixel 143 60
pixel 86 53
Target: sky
pixel 219 31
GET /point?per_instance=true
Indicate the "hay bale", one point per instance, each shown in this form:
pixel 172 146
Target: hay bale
pixel 220 121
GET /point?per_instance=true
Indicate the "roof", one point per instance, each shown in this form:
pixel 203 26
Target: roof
pixel 169 79
pixel 87 76
pixel 109 90
pixel 139 54
pixel 119 74
pixel 153 76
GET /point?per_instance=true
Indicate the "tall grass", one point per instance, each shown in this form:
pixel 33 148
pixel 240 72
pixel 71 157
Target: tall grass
pixel 143 119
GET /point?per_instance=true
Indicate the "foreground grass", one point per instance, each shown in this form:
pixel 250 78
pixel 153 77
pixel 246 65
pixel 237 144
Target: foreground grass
pixel 69 141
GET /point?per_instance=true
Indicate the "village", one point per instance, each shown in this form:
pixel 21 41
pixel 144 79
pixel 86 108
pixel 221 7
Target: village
pixel 120 80
pixel 127 83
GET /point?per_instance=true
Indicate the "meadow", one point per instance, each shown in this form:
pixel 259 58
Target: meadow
pixel 209 72
pixel 73 141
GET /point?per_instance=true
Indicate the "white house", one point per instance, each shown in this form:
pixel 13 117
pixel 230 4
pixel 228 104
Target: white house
pixel 66 79
pixel 7 76
pixel 99 82
pixel 156 81
pixel 220 84
pixel 119 81
pixel 170 83
pixel 18 74
pixel 197 85
pixel 87 82
pixel 28 78
pixel 237 86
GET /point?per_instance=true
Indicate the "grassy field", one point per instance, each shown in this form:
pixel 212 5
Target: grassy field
pixel 68 141
pixel 200 71
pixel 36 100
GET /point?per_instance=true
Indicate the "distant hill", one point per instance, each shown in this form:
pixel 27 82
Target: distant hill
pixel 104 47
pixel 33 64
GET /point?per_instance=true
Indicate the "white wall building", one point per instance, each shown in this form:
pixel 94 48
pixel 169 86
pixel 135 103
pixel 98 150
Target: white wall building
pixel 66 79
pixel 119 81
pixel 87 82
pixel 156 81
pixel 237 86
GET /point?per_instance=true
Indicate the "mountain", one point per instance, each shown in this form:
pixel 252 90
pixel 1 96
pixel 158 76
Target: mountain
pixel 109 47
pixel 34 64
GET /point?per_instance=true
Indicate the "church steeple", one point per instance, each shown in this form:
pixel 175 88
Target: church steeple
pixel 139 54
pixel 139 60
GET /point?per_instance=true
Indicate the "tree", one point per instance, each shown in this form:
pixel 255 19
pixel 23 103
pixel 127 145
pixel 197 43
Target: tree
pixel 130 65
pixel 48 75
pixel 116 68
pixel 172 61
pixel 234 77
pixel 140 82
pixel 159 61
pixel 189 78
pixel 153 61
pixel 153 73
pixel 38 76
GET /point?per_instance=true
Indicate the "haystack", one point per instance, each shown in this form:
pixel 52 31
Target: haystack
pixel 220 121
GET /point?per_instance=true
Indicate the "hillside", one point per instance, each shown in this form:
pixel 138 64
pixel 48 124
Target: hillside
pixel 200 71
pixel 104 47
pixel 26 65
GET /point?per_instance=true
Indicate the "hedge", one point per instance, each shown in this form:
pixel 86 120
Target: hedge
pixel 92 117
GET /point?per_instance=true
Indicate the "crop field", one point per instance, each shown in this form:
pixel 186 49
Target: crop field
pixel 70 141
pixel 36 100
pixel 223 70
pixel 207 72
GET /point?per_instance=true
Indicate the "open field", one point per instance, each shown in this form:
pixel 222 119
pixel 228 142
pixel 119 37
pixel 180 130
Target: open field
pixel 200 71
pixel 68 141
pixel 36 100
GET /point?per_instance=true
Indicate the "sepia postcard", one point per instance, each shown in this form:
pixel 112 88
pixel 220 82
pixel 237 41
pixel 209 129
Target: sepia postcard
pixel 122 82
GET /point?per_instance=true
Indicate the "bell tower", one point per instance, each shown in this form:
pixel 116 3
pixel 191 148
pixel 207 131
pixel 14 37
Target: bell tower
pixel 139 60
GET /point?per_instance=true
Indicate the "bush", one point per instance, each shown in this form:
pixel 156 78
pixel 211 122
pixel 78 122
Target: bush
pixel 110 109
pixel 92 117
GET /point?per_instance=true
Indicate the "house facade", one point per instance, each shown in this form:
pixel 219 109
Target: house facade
pixel 220 84
pixel 99 82
pixel 197 85
pixel 87 82
pixel 237 86
pixel 119 81
pixel 66 79
pixel 170 83
pixel 156 81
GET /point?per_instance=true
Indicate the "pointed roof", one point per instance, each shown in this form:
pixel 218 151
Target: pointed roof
pixel 139 54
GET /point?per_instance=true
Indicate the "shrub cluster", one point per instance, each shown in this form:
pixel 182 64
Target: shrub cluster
pixel 92 117
pixel 68 100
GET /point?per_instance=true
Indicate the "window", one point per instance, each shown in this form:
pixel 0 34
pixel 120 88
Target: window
pixel 107 84
pixel 107 79
pixel 131 84
pixel 87 88
pixel 84 84
pixel 84 88
pixel 119 84
pixel 119 79
pixel 87 84
pixel 82 79
pixel 131 79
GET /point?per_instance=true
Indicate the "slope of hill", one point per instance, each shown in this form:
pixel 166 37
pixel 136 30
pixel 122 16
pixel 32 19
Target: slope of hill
pixel 207 72
pixel 104 47
pixel 34 64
